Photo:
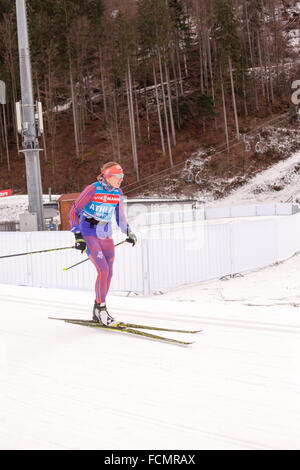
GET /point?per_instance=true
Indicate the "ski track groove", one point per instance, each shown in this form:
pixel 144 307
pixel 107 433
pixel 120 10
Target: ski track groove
pixel 265 372
pixel 140 418
pixel 199 319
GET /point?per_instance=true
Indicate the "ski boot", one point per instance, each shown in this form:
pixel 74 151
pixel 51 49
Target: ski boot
pixel 101 315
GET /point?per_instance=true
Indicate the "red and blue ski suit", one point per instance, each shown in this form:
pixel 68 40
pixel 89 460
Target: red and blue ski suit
pixel 91 214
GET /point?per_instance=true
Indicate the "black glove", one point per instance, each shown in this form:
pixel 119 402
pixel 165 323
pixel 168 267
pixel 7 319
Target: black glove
pixel 131 237
pixel 80 243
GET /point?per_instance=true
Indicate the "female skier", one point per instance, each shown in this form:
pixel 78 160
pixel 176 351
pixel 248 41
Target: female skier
pixel 90 220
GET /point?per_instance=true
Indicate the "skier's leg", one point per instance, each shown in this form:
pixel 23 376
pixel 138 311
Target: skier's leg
pixel 99 261
pixel 108 250
pixel 97 257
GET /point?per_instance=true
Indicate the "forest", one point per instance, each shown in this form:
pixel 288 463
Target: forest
pixel 147 83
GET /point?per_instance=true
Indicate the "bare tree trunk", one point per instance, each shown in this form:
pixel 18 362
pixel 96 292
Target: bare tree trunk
pixel 224 110
pixel 111 122
pixel 211 74
pixel 249 36
pixel 251 56
pixel 185 65
pixel 137 115
pixel 276 46
pixel 179 71
pixel 135 157
pixel 176 90
pixel 270 71
pixel 170 104
pixel 205 32
pixel 14 97
pixel 89 101
pixel 51 114
pixel 75 119
pixel 130 119
pixel 81 116
pixel 200 45
pixel 2 142
pixel 5 136
pixel 8 40
pixel 53 137
pixel 245 97
pixel 116 124
pixel 210 67
pixel 165 110
pixel 147 112
pixel 260 64
pixel 159 114
pixel 234 100
pixel 103 83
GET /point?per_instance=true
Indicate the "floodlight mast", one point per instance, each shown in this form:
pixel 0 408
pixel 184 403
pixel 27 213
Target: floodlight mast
pixel 28 123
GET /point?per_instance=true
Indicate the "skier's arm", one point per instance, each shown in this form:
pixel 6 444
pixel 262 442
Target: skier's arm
pixel 122 222
pixel 120 215
pixel 83 199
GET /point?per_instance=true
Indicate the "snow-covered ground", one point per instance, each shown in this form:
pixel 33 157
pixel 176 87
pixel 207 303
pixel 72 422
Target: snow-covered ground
pixel 65 386
pixel 265 186
pixel 12 206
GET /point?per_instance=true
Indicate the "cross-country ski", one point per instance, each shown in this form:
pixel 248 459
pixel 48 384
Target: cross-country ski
pixel 126 329
pixel 127 325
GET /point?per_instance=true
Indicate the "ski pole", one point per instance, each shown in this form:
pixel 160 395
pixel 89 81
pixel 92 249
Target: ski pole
pixel 35 252
pixel 120 243
pixel 73 265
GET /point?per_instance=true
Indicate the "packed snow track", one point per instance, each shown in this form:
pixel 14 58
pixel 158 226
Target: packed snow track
pixel 63 386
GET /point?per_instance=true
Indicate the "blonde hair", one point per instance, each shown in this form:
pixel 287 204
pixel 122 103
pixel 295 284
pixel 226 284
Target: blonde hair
pixel 106 165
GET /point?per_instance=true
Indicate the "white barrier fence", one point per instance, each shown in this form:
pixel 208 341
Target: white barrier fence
pixel 166 256
pixel 166 213
pixel 251 210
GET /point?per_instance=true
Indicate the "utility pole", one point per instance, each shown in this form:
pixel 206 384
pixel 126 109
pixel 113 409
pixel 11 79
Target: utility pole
pixel 28 122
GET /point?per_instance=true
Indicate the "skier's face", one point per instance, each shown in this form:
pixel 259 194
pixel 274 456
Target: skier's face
pixel 115 180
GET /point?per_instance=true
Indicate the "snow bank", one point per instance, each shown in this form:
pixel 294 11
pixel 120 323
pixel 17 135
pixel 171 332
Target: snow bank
pixel 11 207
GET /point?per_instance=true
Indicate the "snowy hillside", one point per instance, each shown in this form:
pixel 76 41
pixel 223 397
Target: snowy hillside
pixel 280 183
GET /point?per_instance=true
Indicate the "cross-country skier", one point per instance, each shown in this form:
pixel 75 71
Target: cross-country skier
pixel 90 220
